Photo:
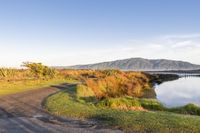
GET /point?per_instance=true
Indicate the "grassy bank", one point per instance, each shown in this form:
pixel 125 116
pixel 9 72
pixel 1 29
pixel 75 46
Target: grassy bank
pixel 68 103
pixel 160 78
pixel 122 100
pixel 10 87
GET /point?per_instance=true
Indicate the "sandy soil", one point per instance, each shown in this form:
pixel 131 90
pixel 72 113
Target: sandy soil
pixel 23 113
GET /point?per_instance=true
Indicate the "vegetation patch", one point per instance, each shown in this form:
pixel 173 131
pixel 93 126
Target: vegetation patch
pixel 65 103
pixel 113 83
pixel 34 76
pixel 130 103
pixel 10 87
pixel 191 109
pixel 124 100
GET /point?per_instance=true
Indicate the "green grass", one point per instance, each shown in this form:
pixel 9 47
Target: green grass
pixel 66 103
pixel 192 109
pixel 10 87
pixel 130 102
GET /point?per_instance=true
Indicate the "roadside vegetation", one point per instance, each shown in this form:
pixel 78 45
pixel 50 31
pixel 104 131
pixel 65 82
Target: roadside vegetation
pixel 136 116
pixel 124 100
pixel 33 76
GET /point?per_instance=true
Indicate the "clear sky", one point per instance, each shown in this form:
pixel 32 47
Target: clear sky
pixel 69 32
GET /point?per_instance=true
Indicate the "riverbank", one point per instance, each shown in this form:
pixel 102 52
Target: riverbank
pixel 161 78
pixel 139 113
pixel 66 103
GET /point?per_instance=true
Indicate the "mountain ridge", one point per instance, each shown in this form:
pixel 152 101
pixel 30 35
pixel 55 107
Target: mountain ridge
pixel 139 64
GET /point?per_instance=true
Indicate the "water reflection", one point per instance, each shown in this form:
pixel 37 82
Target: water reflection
pixel 179 92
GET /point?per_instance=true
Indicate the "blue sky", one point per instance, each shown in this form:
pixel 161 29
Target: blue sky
pixel 68 32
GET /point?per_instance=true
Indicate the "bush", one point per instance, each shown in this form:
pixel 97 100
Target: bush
pixel 39 70
pixel 152 104
pixel 116 84
pixel 119 102
pixel 130 103
pixel 191 109
pixel 113 83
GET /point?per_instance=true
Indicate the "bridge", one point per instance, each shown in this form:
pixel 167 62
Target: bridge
pixel 180 74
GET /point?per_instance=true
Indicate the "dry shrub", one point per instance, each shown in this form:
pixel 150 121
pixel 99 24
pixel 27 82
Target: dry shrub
pixel 14 74
pixel 96 86
pixel 111 83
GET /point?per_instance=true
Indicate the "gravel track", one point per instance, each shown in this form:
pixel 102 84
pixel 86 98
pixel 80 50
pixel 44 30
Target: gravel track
pixel 23 113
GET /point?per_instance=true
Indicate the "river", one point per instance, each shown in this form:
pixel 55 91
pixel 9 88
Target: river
pixel 179 92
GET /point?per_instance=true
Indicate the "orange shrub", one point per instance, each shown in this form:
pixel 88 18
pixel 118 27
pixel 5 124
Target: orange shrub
pixel 112 83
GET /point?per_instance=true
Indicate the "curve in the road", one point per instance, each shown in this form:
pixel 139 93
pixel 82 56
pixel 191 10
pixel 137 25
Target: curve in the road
pixel 23 113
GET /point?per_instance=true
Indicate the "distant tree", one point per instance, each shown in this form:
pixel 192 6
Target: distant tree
pixel 39 70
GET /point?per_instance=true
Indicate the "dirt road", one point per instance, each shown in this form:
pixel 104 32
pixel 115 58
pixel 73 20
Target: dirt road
pixel 23 113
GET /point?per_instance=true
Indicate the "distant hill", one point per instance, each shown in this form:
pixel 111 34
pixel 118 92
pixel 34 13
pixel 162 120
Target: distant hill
pixel 140 64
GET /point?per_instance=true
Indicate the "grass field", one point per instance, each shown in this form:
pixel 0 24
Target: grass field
pixel 10 87
pixel 67 103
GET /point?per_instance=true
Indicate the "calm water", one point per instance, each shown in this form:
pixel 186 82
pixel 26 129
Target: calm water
pixel 179 92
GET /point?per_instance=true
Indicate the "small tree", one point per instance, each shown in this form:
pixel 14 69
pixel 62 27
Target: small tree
pixel 39 70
